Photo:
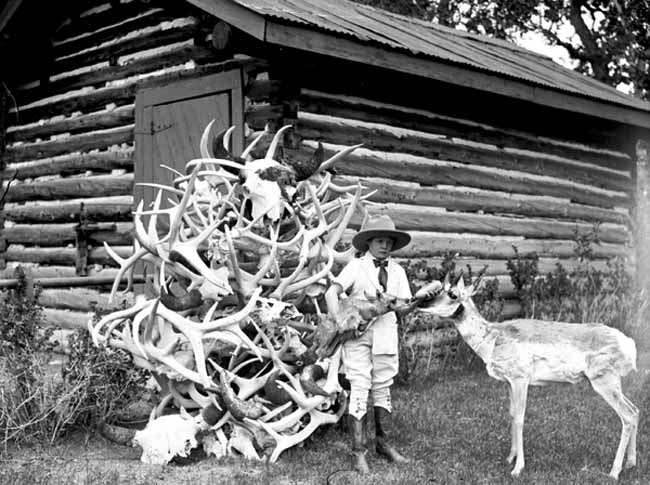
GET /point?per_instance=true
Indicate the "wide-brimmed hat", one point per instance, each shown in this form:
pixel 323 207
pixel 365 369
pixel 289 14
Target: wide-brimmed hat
pixel 380 226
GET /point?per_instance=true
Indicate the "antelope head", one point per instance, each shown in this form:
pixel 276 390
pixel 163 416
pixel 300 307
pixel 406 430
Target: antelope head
pixel 445 299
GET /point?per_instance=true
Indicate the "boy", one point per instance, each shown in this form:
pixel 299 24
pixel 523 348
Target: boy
pixel 371 360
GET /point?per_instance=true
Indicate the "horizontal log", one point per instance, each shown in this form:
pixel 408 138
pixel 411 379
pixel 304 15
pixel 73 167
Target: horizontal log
pixel 353 107
pixel 48 235
pixel 383 137
pixel 410 168
pixel 66 319
pixel 435 244
pixel 67 46
pixel 94 140
pixel 484 201
pixel 61 256
pixel 104 161
pixel 72 187
pixel 98 120
pixel 98 18
pixel 70 281
pixel 84 100
pixel 419 218
pixel 135 41
pixel 36 270
pixel 82 299
pixel 94 99
pixel 117 208
pixel 174 54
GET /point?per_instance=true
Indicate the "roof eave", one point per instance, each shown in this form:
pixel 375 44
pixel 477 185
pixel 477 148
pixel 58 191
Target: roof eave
pixel 297 37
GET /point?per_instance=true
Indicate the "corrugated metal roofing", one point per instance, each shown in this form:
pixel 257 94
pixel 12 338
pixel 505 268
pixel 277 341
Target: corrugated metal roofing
pixel 431 40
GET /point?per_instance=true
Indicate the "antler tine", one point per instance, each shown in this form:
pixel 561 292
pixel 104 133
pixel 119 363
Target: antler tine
pixel 118 315
pixel 171 169
pixel 149 238
pixel 335 236
pixel 204 144
pixel 247 151
pixel 324 183
pixel 125 342
pixel 327 164
pixel 181 401
pixel 188 250
pixel 125 264
pixel 322 273
pixel 276 139
pixel 175 222
pixel 193 336
pixel 286 281
pixel 344 189
pixel 226 139
pixel 208 325
pixel 276 355
pixel 160 186
pixel 284 442
pixel 137 320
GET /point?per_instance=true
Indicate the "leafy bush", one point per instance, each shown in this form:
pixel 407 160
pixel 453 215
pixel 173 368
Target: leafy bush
pixel 583 294
pixel 111 381
pixel 39 404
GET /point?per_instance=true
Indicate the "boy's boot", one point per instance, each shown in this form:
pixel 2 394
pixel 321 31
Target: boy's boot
pixel 359 450
pixel 384 448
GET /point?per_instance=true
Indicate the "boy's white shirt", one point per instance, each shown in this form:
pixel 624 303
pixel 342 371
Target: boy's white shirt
pixel 362 276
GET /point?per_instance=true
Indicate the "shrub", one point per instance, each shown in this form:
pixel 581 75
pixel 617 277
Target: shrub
pixel 583 294
pixel 110 380
pixel 39 404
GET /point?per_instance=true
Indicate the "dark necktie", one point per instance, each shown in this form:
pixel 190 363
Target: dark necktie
pixel 383 274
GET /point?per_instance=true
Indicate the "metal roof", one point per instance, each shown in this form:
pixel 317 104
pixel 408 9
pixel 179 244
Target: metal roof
pixel 429 40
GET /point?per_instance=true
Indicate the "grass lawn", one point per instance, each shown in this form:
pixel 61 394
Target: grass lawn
pixel 454 425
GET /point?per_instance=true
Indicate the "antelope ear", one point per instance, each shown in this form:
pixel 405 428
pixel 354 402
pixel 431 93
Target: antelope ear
pixel 446 284
pixel 461 285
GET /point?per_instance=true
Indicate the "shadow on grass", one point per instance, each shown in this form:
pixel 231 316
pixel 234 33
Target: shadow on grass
pixel 453 425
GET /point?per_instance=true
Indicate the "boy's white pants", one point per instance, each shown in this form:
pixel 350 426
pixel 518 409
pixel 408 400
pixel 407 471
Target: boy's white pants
pixel 368 373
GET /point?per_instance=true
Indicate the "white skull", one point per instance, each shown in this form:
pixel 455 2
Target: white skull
pixel 265 195
pixel 166 437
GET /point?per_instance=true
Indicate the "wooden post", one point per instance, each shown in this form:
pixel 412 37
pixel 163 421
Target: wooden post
pixel 4 110
pixel 643 214
pixel 81 242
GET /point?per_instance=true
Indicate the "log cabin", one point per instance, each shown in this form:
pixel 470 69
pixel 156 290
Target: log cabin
pixel 475 145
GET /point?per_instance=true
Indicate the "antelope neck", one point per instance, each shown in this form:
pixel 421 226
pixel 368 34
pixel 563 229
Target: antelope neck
pixel 472 326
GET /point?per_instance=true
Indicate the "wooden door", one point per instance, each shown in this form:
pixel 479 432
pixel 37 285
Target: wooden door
pixel 170 121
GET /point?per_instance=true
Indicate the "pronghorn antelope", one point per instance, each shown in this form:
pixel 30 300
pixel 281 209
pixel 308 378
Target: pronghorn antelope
pixel 527 352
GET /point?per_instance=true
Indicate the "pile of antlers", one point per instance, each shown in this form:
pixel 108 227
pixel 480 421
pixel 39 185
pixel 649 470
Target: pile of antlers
pixel 231 249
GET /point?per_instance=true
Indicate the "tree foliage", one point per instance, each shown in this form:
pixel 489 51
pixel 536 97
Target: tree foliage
pixel 608 39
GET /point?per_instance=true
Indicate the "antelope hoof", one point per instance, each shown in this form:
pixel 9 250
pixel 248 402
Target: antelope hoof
pixel 630 463
pixel 516 471
pixel 510 458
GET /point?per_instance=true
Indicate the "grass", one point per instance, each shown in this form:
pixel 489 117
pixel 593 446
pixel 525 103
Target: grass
pixel 454 426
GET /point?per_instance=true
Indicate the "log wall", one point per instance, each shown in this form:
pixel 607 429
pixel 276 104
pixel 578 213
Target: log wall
pixel 70 142
pixel 472 189
pixel 457 185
